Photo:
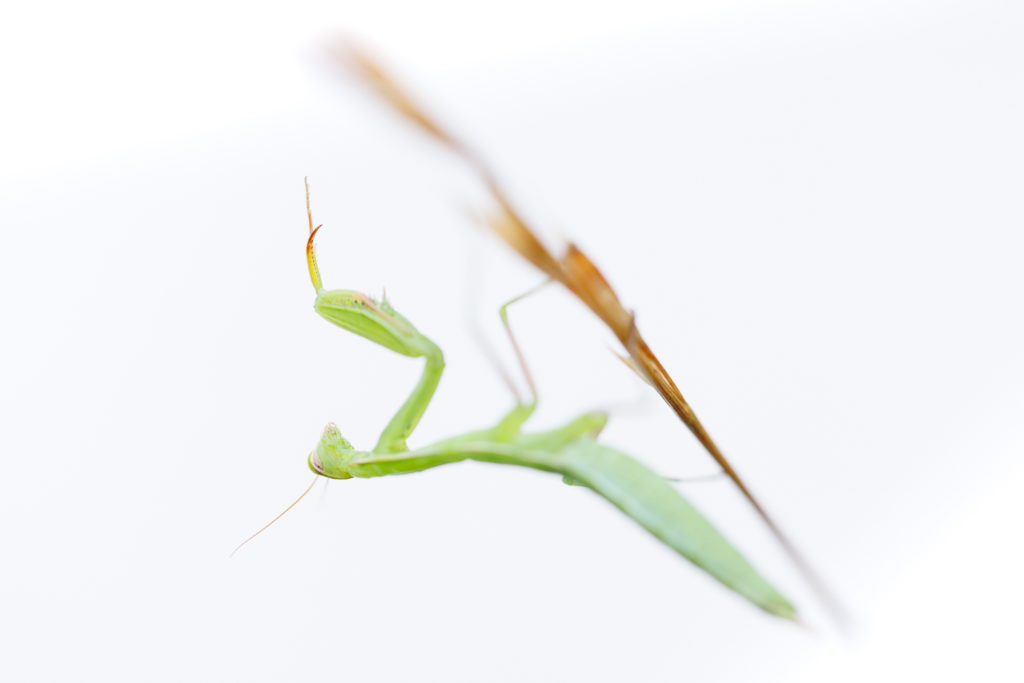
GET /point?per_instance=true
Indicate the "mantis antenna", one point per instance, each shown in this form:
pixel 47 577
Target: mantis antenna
pixel 267 525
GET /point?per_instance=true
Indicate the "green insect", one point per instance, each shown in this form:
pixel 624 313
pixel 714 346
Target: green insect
pixel 571 451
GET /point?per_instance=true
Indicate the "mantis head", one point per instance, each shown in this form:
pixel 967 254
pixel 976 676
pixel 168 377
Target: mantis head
pixel 332 455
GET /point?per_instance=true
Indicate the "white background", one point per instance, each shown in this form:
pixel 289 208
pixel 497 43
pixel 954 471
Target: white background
pixel 815 209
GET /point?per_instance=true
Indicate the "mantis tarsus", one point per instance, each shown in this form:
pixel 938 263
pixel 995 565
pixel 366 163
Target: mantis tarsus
pixel 571 450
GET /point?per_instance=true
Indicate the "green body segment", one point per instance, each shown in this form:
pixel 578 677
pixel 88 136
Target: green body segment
pixel 357 313
pixel 382 324
pixel 392 439
pixel 624 482
pixel 658 507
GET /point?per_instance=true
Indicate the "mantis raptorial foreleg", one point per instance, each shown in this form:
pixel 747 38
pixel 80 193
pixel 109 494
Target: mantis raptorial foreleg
pixel 381 324
pixel 401 426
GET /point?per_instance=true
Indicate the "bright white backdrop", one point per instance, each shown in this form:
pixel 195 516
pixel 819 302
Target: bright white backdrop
pixel 814 208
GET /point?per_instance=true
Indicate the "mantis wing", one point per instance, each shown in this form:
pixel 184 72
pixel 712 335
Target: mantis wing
pixel 625 483
pixel 659 508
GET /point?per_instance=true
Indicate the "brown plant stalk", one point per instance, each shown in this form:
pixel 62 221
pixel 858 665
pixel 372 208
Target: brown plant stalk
pixel 581 277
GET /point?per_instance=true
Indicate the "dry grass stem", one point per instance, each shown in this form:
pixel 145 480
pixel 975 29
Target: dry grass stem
pixel 581 277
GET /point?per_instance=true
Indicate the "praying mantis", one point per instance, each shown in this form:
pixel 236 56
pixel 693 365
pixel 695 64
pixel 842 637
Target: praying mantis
pixel 571 450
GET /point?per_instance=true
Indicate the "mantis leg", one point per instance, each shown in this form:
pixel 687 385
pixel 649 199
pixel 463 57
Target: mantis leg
pixel 381 324
pixel 508 428
pixel 392 439
pixel 503 313
pixel 590 424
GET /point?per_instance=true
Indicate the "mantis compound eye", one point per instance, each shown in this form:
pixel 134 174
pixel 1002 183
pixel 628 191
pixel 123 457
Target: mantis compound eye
pixel 314 462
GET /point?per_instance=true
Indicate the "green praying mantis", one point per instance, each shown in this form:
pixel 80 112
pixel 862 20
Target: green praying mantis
pixel 571 451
